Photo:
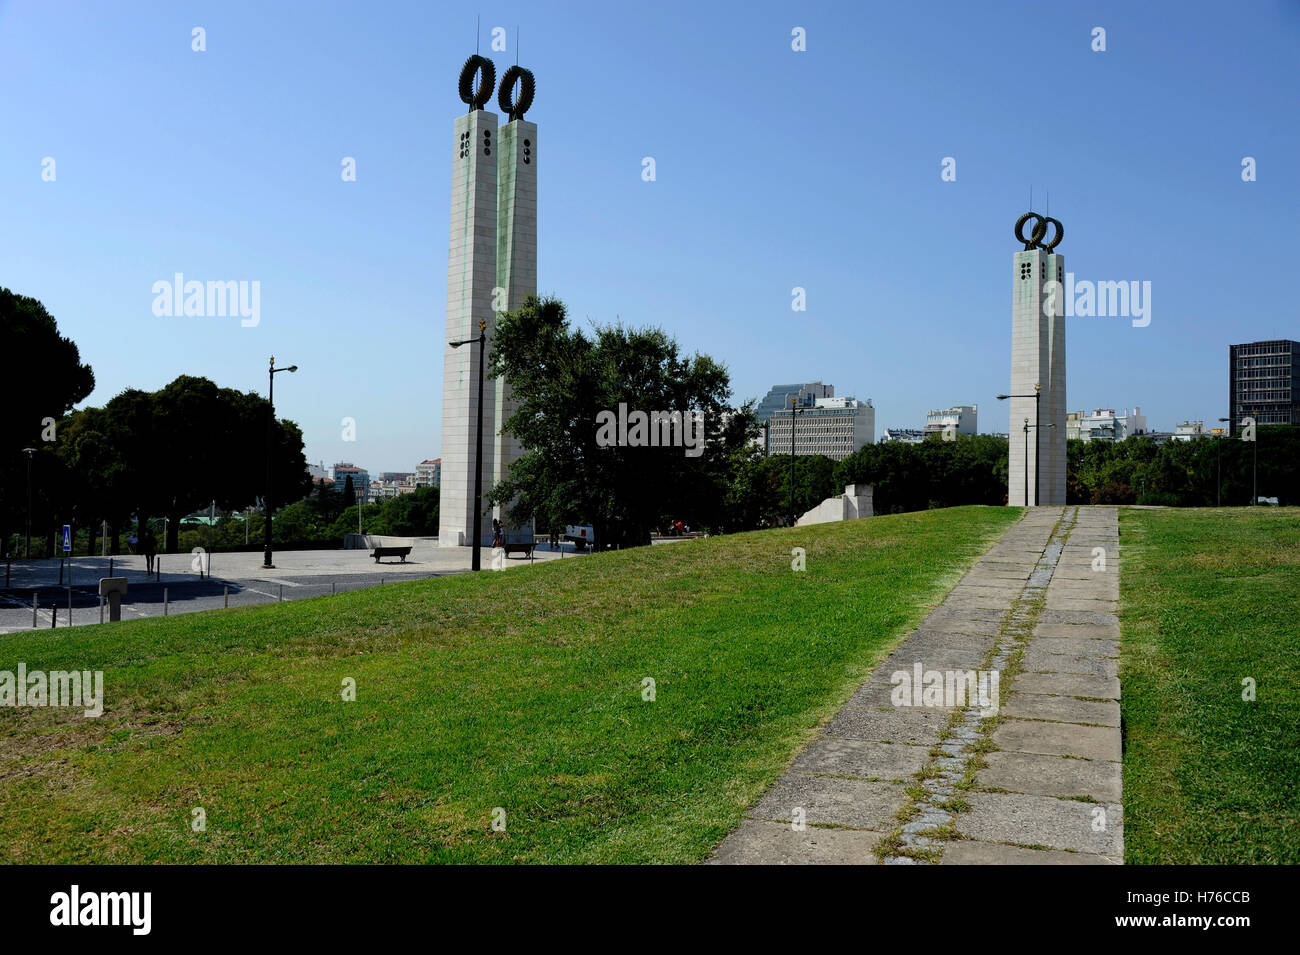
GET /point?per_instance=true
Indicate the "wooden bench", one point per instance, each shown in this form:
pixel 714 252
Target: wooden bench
pixel 383 551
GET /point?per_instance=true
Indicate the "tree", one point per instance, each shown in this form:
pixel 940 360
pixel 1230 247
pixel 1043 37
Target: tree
pixel 45 378
pixel 566 384
pixel 171 452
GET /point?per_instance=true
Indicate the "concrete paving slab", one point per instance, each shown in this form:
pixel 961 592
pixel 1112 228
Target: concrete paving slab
pixel 1058 739
pixel 1038 661
pixel 1069 684
pixel 1077 631
pixel 830 799
pixel 757 842
pixel 1045 821
pixel 1041 775
pixel 1075 646
pixel 917 725
pixel 1064 709
pixel 862 759
pixel 970 852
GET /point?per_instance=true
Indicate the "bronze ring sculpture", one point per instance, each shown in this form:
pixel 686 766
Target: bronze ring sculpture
pixel 527 88
pixel 1035 240
pixel 477 98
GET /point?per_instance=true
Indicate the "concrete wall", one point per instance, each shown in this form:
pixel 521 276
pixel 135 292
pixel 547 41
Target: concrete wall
pixel 855 502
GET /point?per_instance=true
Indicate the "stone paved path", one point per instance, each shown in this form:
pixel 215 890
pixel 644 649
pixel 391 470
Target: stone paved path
pixel 1023 769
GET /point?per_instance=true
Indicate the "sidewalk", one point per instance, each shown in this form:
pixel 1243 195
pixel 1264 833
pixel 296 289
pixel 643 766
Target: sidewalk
pixel 1034 777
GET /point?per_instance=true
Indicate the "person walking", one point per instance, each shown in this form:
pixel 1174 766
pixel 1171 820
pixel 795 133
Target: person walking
pixel 149 547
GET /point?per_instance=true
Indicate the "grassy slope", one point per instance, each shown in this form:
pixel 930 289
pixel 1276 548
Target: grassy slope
pixel 520 690
pixel 1209 598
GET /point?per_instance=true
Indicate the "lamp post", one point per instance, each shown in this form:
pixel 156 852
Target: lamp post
pixel 1037 428
pixel 476 562
pixel 27 551
pixel 1218 466
pixel 1254 466
pixel 794 410
pixel 270 455
pixel 1038 390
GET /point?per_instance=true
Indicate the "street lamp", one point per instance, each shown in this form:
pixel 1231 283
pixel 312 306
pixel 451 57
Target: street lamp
pixel 1218 466
pixel 794 410
pixel 1036 428
pixel 475 558
pixel 27 553
pixel 1038 389
pixel 270 455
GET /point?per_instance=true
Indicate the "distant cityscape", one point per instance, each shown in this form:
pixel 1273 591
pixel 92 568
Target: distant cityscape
pixel 387 485
pixel 1264 384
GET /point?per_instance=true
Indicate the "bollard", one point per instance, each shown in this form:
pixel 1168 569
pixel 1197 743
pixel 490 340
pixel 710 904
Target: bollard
pixel 334 587
pixel 282 593
pixel 54 615
pixel 69 595
pixel 226 595
pixel 101 609
pixel 34 599
pixel 164 601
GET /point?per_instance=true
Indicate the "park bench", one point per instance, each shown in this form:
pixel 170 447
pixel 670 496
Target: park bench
pixel 379 549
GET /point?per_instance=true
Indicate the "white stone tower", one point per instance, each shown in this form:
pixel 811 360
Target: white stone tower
pixel 471 277
pixel 1037 366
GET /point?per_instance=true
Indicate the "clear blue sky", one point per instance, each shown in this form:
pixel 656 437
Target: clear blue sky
pixel 775 169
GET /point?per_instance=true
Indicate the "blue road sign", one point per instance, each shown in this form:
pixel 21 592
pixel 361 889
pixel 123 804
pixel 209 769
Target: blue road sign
pixel 67 538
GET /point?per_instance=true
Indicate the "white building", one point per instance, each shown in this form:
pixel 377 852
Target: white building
pixel 383 490
pixel 1104 424
pixel 835 427
pixel 963 419
pixel 429 473
pixel 1189 430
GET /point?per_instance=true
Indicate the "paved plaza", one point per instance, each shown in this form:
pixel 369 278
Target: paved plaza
pixel 233 579
pixel 883 782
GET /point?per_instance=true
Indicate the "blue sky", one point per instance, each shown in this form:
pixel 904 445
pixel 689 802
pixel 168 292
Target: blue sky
pixel 775 169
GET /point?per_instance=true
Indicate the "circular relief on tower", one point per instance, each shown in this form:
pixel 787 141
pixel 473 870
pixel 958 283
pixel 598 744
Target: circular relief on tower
pixel 1056 240
pixel 477 97
pixel 1035 237
pixel 527 88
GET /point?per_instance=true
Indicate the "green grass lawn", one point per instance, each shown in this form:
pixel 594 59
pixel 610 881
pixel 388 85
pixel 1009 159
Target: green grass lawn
pixel 520 690
pixel 1207 599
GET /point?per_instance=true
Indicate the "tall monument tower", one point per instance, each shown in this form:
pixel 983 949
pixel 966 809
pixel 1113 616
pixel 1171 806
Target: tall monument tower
pixel 491 268
pixel 516 235
pixel 471 277
pixel 1036 464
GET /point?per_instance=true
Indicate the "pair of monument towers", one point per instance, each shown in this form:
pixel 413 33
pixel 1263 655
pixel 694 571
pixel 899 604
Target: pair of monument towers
pixel 491 268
